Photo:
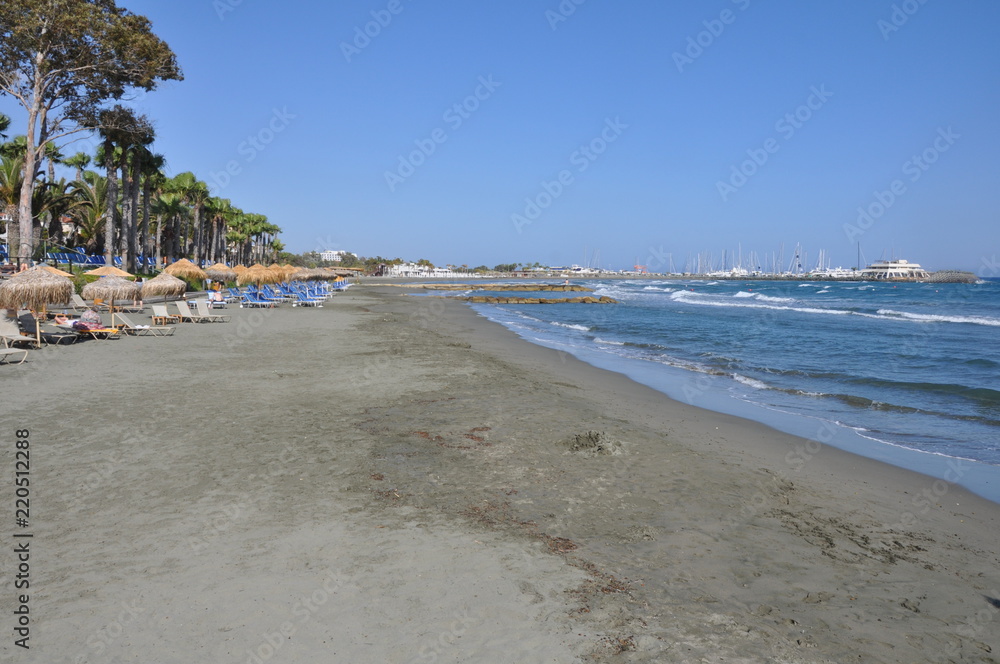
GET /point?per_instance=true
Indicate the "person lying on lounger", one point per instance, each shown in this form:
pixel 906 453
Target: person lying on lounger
pixel 89 320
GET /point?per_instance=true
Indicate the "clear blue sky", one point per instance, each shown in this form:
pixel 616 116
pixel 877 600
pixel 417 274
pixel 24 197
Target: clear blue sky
pixel 329 129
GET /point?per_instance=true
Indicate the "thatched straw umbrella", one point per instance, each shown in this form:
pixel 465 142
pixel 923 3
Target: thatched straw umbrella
pixel 163 284
pixel 34 289
pixel 108 271
pixel 279 272
pixel 257 274
pixel 221 272
pixel 56 271
pixel 111 289
pixel 185 269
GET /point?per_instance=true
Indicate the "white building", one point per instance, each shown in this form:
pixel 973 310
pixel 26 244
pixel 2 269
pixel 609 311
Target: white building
pixel 414 270
pixel 334 256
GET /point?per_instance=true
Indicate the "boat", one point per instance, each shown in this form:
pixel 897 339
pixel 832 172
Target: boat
pixel 894 270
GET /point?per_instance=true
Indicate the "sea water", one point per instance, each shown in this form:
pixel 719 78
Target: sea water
pixel 903 372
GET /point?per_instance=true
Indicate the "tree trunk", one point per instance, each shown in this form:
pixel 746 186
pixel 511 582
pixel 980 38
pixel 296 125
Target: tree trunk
pixel 133 217
pixel 144 224
pixel 112 202
pixel 157 246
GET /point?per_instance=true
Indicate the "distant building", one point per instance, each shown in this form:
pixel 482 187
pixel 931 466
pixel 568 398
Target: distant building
pixel 414 270
pixel 334 256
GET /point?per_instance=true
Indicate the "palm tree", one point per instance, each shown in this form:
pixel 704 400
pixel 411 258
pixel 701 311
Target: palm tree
pixel 196 194
pixel 11 172
pixel 132 166
pixel 121 130
pixel 79 161
pixel 14 147
pixel 53 156
pixel 91 191
pixel 152 180
pixel 55 200
pixel 219 212
pixel 169 209
pixel 4 126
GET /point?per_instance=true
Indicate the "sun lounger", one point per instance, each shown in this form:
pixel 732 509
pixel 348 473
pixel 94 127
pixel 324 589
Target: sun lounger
pixel 250 301
pixel 78 304
pixel 209 316
pixel 99 333
pixel 32 327
pixel 303 301
pixel 8 354
pixel 12 335
pixel 186 314
pixel 128 327
pixel 160 315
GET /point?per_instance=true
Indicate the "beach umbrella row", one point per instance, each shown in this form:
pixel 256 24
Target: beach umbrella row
pixel 111 289
pixel 109 271
pixel 185 269
pixel 221 272
pixel 34 289
pixel 163 284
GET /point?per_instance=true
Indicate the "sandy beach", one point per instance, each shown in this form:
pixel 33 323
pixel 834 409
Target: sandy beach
pixel 395 479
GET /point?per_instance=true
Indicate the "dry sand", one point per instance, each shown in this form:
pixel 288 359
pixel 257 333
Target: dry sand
pixel 395 479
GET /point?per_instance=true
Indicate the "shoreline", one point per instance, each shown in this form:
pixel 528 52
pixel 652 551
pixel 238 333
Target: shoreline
pixel 393 478
pixel 978 477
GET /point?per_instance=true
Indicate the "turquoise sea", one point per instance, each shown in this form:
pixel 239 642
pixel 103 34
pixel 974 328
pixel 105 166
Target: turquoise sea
pixel 906 373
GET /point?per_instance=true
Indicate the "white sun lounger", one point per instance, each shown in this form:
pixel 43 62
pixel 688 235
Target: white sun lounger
pixel 209 316
pixel 140 330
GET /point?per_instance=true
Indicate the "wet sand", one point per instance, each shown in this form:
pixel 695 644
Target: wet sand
pixel 396 479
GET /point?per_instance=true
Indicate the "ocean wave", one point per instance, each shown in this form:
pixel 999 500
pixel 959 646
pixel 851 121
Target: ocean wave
pixel 598 340
pixel 762 297
pixel 571 326
pixel 937 318
pixel 697 298
pixel 982 395
pixel 750 382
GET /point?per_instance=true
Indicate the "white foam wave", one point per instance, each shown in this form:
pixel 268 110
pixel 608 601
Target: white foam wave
pixel 936 318
pixel 762 297
pixel 695 298
pixel 571 326
pixel 608 342
pixel 751 382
